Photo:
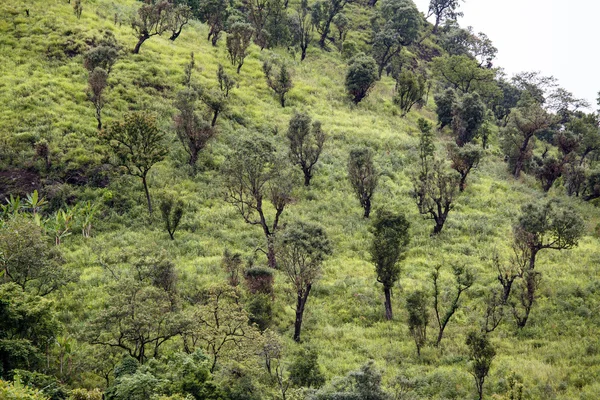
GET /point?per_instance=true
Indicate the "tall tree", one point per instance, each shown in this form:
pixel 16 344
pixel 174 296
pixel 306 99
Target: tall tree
pixel 306 143
pixel 280 82
pixel 215 14
pixel 302 248
pixel 442 10
pixel 397 24
pixel 322 15
pixel 519 135
pixel 152 19
pixel 418 318
pixel 254 173
pixel 464 74
pixel 97 82
pixel 363 176
pixel 239 39
pixel 410 89
pixel 463 160
pixel 445 102
pixel 361 77
pixel 303 28
pixel 481 355
pixel 137 144
pixel 388 248
pixel 179 16
pixel 468 116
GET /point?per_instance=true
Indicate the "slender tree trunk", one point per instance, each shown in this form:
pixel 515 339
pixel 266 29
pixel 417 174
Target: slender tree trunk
pixel 307 177
pixel 303 56
pixel 388 303
pixel 271 258
pixel 193 158
pixel 175 35
pixel 216 115
pixel 462 184
pixel 145 183
pixel 239 67
pixel 367 207
pixel 300 304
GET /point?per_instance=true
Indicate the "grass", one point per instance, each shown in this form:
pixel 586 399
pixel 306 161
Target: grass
pixel 42 90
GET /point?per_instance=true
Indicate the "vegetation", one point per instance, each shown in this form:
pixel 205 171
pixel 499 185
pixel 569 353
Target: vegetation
pixel 96 301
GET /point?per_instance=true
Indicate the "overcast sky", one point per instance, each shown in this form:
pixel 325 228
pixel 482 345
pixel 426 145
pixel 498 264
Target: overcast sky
pixel 555 37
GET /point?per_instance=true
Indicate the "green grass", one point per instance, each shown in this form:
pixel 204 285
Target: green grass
pixel 42 92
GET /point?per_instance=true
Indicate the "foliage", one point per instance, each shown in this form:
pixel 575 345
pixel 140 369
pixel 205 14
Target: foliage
pixel 410 89
pixel 152 19
pixel 280 83
pixel 468 117
pixel 464 74
pixel 305 370
pixel 390 240
pixel 238 40
pixel 481 354
pixel 445 106
pixel 306 143
pixel 363 177
pixel 463 160
pixel 418 317
pixel 361 77
pixel 18 391
pixel 171 212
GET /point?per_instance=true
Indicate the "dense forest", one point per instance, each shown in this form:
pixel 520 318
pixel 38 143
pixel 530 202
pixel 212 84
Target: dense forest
pixel 283 199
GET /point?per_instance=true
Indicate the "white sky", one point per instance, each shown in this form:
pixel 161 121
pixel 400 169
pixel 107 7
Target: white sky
pixel 555 37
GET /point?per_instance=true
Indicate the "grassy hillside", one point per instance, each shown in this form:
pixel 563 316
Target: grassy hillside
pixel 42 92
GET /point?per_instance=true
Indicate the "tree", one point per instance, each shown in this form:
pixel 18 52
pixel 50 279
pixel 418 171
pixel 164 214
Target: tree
pixel 77 8
pixel 363 177
pixel 303 28
pixel 463 73
pixel 445 107
pixel 361 77
pixel 97 82
pixel 238 41
pixel 418 318
pixel 463 160
pixel 468 116
pixel 179 16
pixel 442 10
pixel 280 83
pixel 138 145
pixel 215 14
pixel 306 143
pixel 28 325
pixel 397 24
pixel 137 317
pixel 152 19
pixel 434 193
pixel 410 89
pixel 302 249
pixel 28 259
pixel 549 169
pixel 390 241
pixel 254 174
pixel 481 355
pixel 304 369
pixel 171 212
pixel 463 281
pixel 543 225
pixel 519 136
pixel 322 15
pixel 364 384
pixel 103 56
pixel 192 130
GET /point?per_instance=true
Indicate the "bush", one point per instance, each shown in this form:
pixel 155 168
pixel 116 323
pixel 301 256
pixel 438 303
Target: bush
pixel 361 77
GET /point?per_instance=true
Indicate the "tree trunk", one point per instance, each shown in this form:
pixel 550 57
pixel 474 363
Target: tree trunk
pixel 388 303
pixel 239 67
pixel 372 3
pixel 193 158
pixel 272 260
pixel 141 41
pixel 175 35
pixel 462 184
pixel 307 177
pixel 303 56
pixel 300 304
pixel 367 207
pixel 439 225
pixel 216 115
pixel 147 194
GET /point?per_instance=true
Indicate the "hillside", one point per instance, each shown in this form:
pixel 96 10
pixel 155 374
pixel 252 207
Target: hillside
pixel 43 95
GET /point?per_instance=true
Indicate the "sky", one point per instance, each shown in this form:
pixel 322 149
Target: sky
pixel 556 37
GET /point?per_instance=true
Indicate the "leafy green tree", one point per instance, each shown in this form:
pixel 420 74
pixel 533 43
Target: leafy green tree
pixel 138 145
pixel 280 83
pixel 152 19
pixel 254 173
pixel 410 89
pixel 587 130
pixel 462 73
pixel 306 143
pixel 548 170
pixel 215 14
pixel 171 212
pixel 302 249
pixel 365 383
pixel 323 13
pixel 418 318
pixel 103 56
pixel 239 39
pixel 77 8
pixel 192 130
pixel 445 102
pixel 179 16
pixel 463 160
pixel 302 28
pixel 304 369
pixel 361 77
pixel 390 241
pixel 397 24
pixel 464 279
pixel 17 391
pixel 29 260
pixel 543 225
pixel 443 10
pixel 97 82
pixel 481 355
pixel 28 324
pixel 363 177
pixel 468 116
pixel 519 135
